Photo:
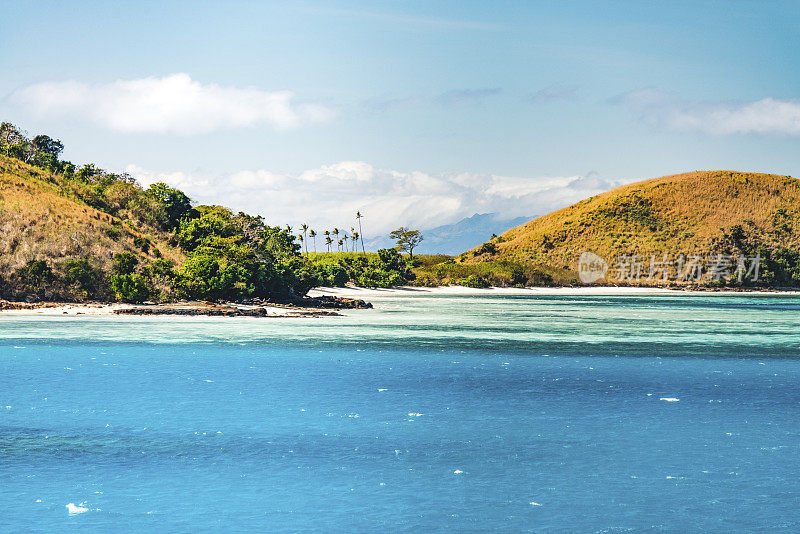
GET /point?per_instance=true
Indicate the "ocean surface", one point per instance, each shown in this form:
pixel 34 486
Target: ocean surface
pixel 536 413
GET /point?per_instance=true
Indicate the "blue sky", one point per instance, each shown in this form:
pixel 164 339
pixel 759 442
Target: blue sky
pixel 417 113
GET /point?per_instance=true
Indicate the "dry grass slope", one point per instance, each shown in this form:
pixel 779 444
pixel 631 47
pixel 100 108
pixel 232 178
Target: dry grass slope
pixel 37 221
pixel 684 213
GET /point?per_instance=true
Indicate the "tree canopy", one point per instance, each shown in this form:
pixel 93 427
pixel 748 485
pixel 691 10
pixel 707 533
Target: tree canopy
pixel 407 239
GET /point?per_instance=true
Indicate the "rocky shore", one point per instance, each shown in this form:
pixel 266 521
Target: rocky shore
pixel 220 310
pixel 323 306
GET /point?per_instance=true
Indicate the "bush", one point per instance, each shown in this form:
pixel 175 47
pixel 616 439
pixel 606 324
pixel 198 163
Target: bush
pixel 112 233
pixel 124 263
pixel 194 233
pixel 332 275
pixel 487 248
pixel 131 287
pixel 231 273
pixel 35 273
pixel 142 243
pixel 80 272
pixel 177 206
pixel 475 281
pixel 162 268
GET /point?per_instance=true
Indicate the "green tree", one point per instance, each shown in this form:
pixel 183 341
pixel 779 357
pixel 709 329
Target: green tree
pixel 176 204
pixel 80 272
pixel 406 239
pixel 313 235
pixel 193 233
pixel 35 273
pixel 131 287
pixel 44 144
pixel 304 228
pixel 10 136
pixel 124 263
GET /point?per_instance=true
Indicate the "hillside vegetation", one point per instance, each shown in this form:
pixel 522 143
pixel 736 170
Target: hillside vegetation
pixel 79 232
pixel 41 215
pixel 702 214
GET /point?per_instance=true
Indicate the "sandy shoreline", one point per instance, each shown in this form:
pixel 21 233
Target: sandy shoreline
pixel 366 293
pixel 180 309
pixel 192 309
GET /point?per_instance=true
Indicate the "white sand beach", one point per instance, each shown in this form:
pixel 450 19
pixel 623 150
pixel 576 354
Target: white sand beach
pixel 61 309
pixel 366 293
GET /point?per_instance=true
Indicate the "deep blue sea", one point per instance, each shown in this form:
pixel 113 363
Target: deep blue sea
pixel 537 413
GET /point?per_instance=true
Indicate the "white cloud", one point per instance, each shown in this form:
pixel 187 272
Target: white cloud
pixel 172 104
pixel 765 116
pixel 329 196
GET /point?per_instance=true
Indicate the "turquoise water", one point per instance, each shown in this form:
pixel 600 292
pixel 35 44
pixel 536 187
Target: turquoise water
pixel 426 414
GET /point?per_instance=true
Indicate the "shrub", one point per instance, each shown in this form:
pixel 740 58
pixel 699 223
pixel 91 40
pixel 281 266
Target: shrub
pixel 35 273
pixel 332 275
pixel 124 263
pixel 475 281
pixel 80 272
pixel 131 287
pixel 230 273
pixel 177 206
pixel 142 243
pixel 487 248
pixel 161 268
pixel 112 233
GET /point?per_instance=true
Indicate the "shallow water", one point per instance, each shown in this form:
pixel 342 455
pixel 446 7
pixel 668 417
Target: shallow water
pixel 429 413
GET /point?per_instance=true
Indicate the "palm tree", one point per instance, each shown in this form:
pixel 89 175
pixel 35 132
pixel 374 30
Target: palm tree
pixel 327 236
pixel 344 240
pixel 335 233
pixel 313 235
pixel 340 245
pixel 361 232
pixel 354 237
pixel 328 241
pixel 304 227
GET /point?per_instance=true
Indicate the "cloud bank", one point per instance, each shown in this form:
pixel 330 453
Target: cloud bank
pixel 329 196
pixel 171 104
pixel 765 116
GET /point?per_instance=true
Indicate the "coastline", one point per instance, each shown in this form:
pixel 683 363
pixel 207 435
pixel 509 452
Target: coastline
pixel 191 309
pixel 332 299
pixel 361 292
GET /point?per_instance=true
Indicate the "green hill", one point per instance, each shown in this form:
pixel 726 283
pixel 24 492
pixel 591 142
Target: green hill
pixel 46 217
pixel 82 233
pixel 738 215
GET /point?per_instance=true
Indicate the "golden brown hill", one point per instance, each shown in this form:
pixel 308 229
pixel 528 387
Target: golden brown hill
pixel 41 220
pixel 703 213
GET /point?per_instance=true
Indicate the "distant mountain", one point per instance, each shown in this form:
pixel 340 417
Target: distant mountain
pixel 455 238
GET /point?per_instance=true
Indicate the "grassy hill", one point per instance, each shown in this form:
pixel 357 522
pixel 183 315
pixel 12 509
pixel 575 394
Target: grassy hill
pixel 699 213
pixel 74 233
pixel 41 217
pixel 70 232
